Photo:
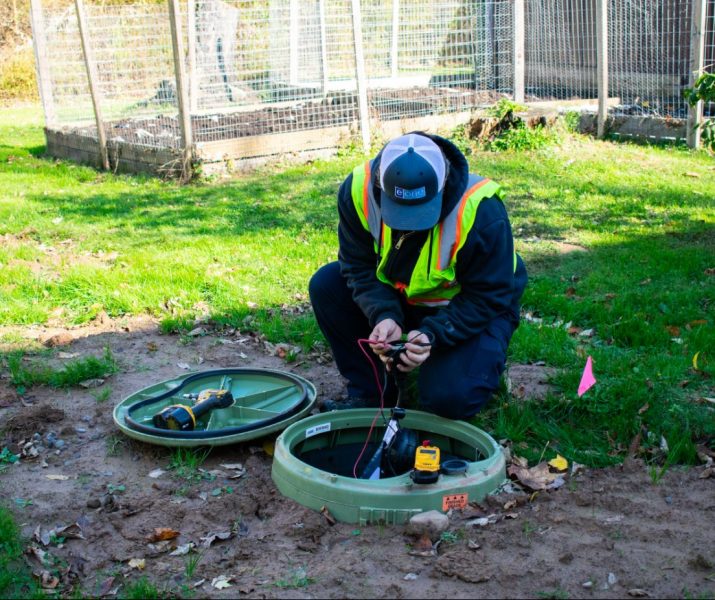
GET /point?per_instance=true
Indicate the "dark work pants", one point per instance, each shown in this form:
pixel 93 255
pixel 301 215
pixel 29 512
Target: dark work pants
pixel 454 382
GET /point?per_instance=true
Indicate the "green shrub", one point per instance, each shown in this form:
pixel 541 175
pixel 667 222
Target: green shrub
pixel 519 137
pixel 17 76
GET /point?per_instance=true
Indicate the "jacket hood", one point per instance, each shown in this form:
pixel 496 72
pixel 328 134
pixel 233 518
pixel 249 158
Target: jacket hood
pixel 457 176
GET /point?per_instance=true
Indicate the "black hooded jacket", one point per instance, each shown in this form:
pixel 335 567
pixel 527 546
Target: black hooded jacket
pixel 485 267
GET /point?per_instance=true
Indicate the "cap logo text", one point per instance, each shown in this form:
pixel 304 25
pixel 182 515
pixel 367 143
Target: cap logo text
pixel 415 194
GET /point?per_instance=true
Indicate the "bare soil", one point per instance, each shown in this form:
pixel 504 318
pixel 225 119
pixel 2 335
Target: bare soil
pixel 336 110
pixel 607 533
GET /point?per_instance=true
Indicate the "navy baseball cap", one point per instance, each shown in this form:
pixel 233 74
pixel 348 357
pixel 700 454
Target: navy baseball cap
pixel 412 176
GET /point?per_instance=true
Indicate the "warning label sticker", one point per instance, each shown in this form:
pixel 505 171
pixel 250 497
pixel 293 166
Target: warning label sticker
pixel 458 501
pixel 317 429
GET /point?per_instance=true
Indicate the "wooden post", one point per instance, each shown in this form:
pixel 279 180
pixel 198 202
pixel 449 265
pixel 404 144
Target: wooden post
pixel 519 70
pixel 93 80
pixel 44 83
pixel 294 39
pixel 177 43
pixel 360 76
pixel 394 49
pixel 602 64
pixel 323 47
pixel 191 42
pixel 697 63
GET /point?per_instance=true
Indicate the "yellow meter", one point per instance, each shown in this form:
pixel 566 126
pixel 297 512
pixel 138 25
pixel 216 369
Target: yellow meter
pixel 426 463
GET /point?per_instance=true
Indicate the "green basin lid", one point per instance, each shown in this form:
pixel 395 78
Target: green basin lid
pixel 266 401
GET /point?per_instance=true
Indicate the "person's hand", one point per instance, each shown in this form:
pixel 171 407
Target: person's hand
pixel 385 331
pixel 417 351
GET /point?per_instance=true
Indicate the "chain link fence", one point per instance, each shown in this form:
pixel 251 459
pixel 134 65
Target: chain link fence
pixel 237 79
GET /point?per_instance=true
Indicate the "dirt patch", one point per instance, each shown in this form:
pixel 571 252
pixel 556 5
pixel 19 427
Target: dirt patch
pixel 336 110
pixel 604 534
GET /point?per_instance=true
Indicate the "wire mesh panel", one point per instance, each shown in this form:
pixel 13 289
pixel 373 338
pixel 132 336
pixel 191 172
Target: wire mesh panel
pixel 255 68
pixel 270 67
pixel 649 55
pixel 132 50
pixel 430 57
pixel 69 90
pixel 560 48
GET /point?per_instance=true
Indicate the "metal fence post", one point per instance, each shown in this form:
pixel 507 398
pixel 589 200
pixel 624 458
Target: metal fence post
pixel 294 42
pixel 602 64
pixel 519 67
pixel 697 63
pixel 323 47
pixel 360 76
pixel 93 80
pixel 44 83
pixel 191 43
pixel 177 43
pixel 395 42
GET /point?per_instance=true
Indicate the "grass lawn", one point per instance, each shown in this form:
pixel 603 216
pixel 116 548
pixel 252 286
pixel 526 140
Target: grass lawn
pixel 642 276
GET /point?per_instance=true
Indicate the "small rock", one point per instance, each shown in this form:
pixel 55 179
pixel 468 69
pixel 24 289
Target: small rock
pixel 36 437
pixel 59 444
pixel 93 503
pixel 86 418
pixel 668 499
pixel 80 430
pixel 612 579
pixel 587 584
pixel 432 523
pixel 410 577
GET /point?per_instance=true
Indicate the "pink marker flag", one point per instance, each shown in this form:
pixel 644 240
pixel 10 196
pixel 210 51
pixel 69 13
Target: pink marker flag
pixel 587 379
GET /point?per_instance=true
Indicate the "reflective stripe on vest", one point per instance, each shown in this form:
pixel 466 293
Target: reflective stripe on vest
pixel 433 280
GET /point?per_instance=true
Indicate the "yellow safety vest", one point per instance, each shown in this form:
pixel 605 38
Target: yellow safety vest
pixel 437 285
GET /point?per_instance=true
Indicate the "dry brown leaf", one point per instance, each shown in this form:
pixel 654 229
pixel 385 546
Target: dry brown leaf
pixel 221 582
pixel 48 580
pixel 211 537
pixel 137 563
pixel 328 517
pixel 423 547
pixel 162 533
pixel 534 478
pixel 638 593
pixel 707 473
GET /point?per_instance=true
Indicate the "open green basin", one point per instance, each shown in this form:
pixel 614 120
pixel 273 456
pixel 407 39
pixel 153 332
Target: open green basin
pixel 313 458
pixel 266 401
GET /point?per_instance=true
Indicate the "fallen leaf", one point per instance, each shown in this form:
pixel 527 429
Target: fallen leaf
pixel 707 473
pixel 559 463
pixel 48 581
pixel 643 408
pixel 472 545
pixel 91 383
pixel 40 555
pixel 328 517
pixel 269 447
pixel 159 547
pixel 197 331
pixel 57 477
pixel 137 563
pixel 183 365
pixel 673 330
pixel 645 281
pixel 692 174
pixel 162 533
pixel 510 504
pixel 534 478
pixel 695 360
pixel 73 531
pixel 106 586
pixel 210 538
pixel 423 547
pixel 232 466
pixel 67 354
pixel 156 473
pixel 221 582
pixel 183 549
pixel 152 347
pixel 638 593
